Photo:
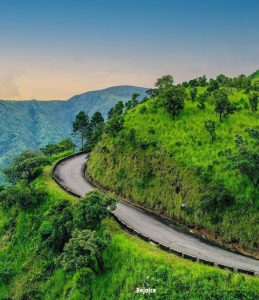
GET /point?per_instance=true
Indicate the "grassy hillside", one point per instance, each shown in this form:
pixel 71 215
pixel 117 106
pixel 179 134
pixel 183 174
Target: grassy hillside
pixel 254 75
pixel 170 165
pixel 28 272
pixel 33 124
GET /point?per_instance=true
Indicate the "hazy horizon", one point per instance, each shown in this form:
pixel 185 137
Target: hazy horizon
pixel 55 50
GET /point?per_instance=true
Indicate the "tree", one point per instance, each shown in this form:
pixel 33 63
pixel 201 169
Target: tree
pixel 202 81
pixel 134 99
pixel 210 127
pixel 253 101
pixel 64 145
pixel 213 85
pixel 152 93
pixel 56 230
pixel 164 83
pixel 115 124
pixel 83 250
pixel 133 102
pixel 21 195
pixel 223 106
pixel 118 109
pixel 24 165
pixel 95 131
pixel 215 200
pixel 193 93
pixel 128 105
pixel 132 136
pixel 81 126
pixel 246 161
pixel 96 119
pixel 89 211
pixel 174 100
pixel 202 98
pixel 253 133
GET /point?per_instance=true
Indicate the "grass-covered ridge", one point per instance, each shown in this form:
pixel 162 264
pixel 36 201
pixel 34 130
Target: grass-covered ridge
pixel 27 273
pixel 170 165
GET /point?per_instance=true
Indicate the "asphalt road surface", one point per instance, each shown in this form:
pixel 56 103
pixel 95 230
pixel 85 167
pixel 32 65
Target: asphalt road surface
pixel 69 174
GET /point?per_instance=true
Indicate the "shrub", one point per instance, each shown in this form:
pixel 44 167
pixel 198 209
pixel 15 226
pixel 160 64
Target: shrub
pixel 115 124
pixel 143 109
pixel 215 200
pixel 89 211
pixel 21 195
pixel 83 250
pixel 56 232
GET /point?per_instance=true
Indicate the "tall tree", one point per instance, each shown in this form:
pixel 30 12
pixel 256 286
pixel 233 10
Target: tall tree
pixel 81 126
pixel 96 119
pixel 95 131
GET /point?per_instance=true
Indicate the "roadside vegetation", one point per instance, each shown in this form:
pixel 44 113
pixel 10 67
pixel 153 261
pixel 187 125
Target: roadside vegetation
pixel 60 247
pixel 189 152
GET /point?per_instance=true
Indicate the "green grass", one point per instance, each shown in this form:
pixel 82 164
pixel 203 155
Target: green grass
pixel 165 176
pixel 129 263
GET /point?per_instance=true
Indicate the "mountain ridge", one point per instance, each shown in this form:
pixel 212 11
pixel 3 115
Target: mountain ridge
pixel 31 124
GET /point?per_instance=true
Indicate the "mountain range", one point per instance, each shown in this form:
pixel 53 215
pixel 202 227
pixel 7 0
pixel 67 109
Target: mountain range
pixel 33 124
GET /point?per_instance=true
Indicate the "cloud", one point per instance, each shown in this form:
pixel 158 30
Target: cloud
pixel 8 87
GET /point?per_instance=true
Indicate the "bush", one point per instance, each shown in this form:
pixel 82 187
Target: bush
pixel 115 124
pixel 23 196
pixel 143 109
pixel 37 172
pixel 216 200
pixel 6 273
pixel 83 250
pixel 89 211
pixel 57 231
pixel 24 165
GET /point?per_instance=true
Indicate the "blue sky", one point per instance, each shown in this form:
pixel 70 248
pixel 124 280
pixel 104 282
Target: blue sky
pixel 55 49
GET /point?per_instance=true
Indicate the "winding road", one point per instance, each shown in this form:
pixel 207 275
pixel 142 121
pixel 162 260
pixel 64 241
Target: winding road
pixel 70 175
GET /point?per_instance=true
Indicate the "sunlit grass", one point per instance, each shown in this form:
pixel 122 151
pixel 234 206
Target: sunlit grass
pixel 184 146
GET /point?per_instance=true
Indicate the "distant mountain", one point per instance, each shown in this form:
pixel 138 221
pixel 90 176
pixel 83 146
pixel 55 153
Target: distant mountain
pixel 32 124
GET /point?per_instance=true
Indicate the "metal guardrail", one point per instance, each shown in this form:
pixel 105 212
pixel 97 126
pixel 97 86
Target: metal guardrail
pixel 142 236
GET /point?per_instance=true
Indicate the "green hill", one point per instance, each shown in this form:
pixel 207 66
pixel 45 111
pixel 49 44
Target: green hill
pixel 254 75
pixel 33 124
pixel 30 269
pixel 171 167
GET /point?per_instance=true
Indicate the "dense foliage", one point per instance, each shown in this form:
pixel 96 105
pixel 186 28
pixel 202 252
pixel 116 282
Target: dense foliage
pixel 94 264
pixel 62 235
pixel 190 153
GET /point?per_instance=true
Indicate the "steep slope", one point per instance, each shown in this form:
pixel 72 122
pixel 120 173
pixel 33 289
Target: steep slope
pixel 32 124
pixel 30 270
pixel 171 167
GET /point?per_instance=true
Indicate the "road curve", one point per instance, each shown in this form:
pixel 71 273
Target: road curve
pixel 69 174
